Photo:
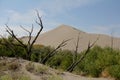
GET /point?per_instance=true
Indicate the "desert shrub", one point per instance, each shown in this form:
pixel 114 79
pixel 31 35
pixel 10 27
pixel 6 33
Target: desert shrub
pixel 88 65
pixel 9 47
pixel 35 57
pixel 37 52
pixel 55 61
pixel 97 60
pixel 44 51
pixel 67 59
pixel 4 51
pixel 114 71
pixel 61 60
pixel 20 52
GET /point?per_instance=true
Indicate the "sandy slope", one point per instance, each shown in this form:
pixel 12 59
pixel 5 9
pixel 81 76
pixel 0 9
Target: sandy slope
pixel 50 71
pixel 64 32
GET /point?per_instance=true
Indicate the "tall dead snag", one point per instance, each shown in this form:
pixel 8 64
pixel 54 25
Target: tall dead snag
pixel 28 47
pixel 53 52
pixel 74 64
pixel 76 48
pixel 112 41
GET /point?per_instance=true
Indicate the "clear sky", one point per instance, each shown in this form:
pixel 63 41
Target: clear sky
pixel 93 16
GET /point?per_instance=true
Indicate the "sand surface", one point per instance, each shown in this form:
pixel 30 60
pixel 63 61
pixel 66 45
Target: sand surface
pixel 63 32
pixel 62 75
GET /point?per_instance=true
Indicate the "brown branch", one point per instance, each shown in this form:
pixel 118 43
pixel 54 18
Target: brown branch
pixel 76 48
pixel 30 43
pixel 52 53
pixel 73 65
pixel 11 33
pixel 40 30
pixel 30 33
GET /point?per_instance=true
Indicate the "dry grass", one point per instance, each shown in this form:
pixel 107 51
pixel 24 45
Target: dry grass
pixel 9 65
pixel 10 70
pixel 36 69
pixel 9 77
pixel 26 70
pixel 55 77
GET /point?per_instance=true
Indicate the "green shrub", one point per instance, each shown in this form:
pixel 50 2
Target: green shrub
pixel 62 59
pixel 35 57
pixel 97 60
pixel 114 71
pixel 6 77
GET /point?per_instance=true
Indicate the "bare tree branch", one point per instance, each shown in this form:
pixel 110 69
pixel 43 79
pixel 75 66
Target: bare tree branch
pixel 52 53
pixel 11 33
pixel 73 65
pixel 76 48
pixel 30 42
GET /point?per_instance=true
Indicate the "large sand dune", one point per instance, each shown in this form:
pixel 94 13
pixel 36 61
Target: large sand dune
pixel 64 32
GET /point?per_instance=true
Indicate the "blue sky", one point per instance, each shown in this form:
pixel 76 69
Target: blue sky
pixel 93 16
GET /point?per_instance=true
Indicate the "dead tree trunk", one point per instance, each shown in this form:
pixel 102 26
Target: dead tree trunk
pixel 76 49
pixel 112 41
pixel 28 47
pixel 52 53
pixel 74 64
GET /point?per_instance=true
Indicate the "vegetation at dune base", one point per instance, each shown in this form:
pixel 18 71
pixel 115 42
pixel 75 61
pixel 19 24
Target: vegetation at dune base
pixel 99 62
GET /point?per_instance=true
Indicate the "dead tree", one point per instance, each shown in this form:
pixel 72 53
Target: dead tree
pixel 112 41
pixel 28 47
pixel 74 64
pixel 76 48
pixel 53 52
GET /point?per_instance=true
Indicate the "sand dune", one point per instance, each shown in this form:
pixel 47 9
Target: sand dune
pixel 64 32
